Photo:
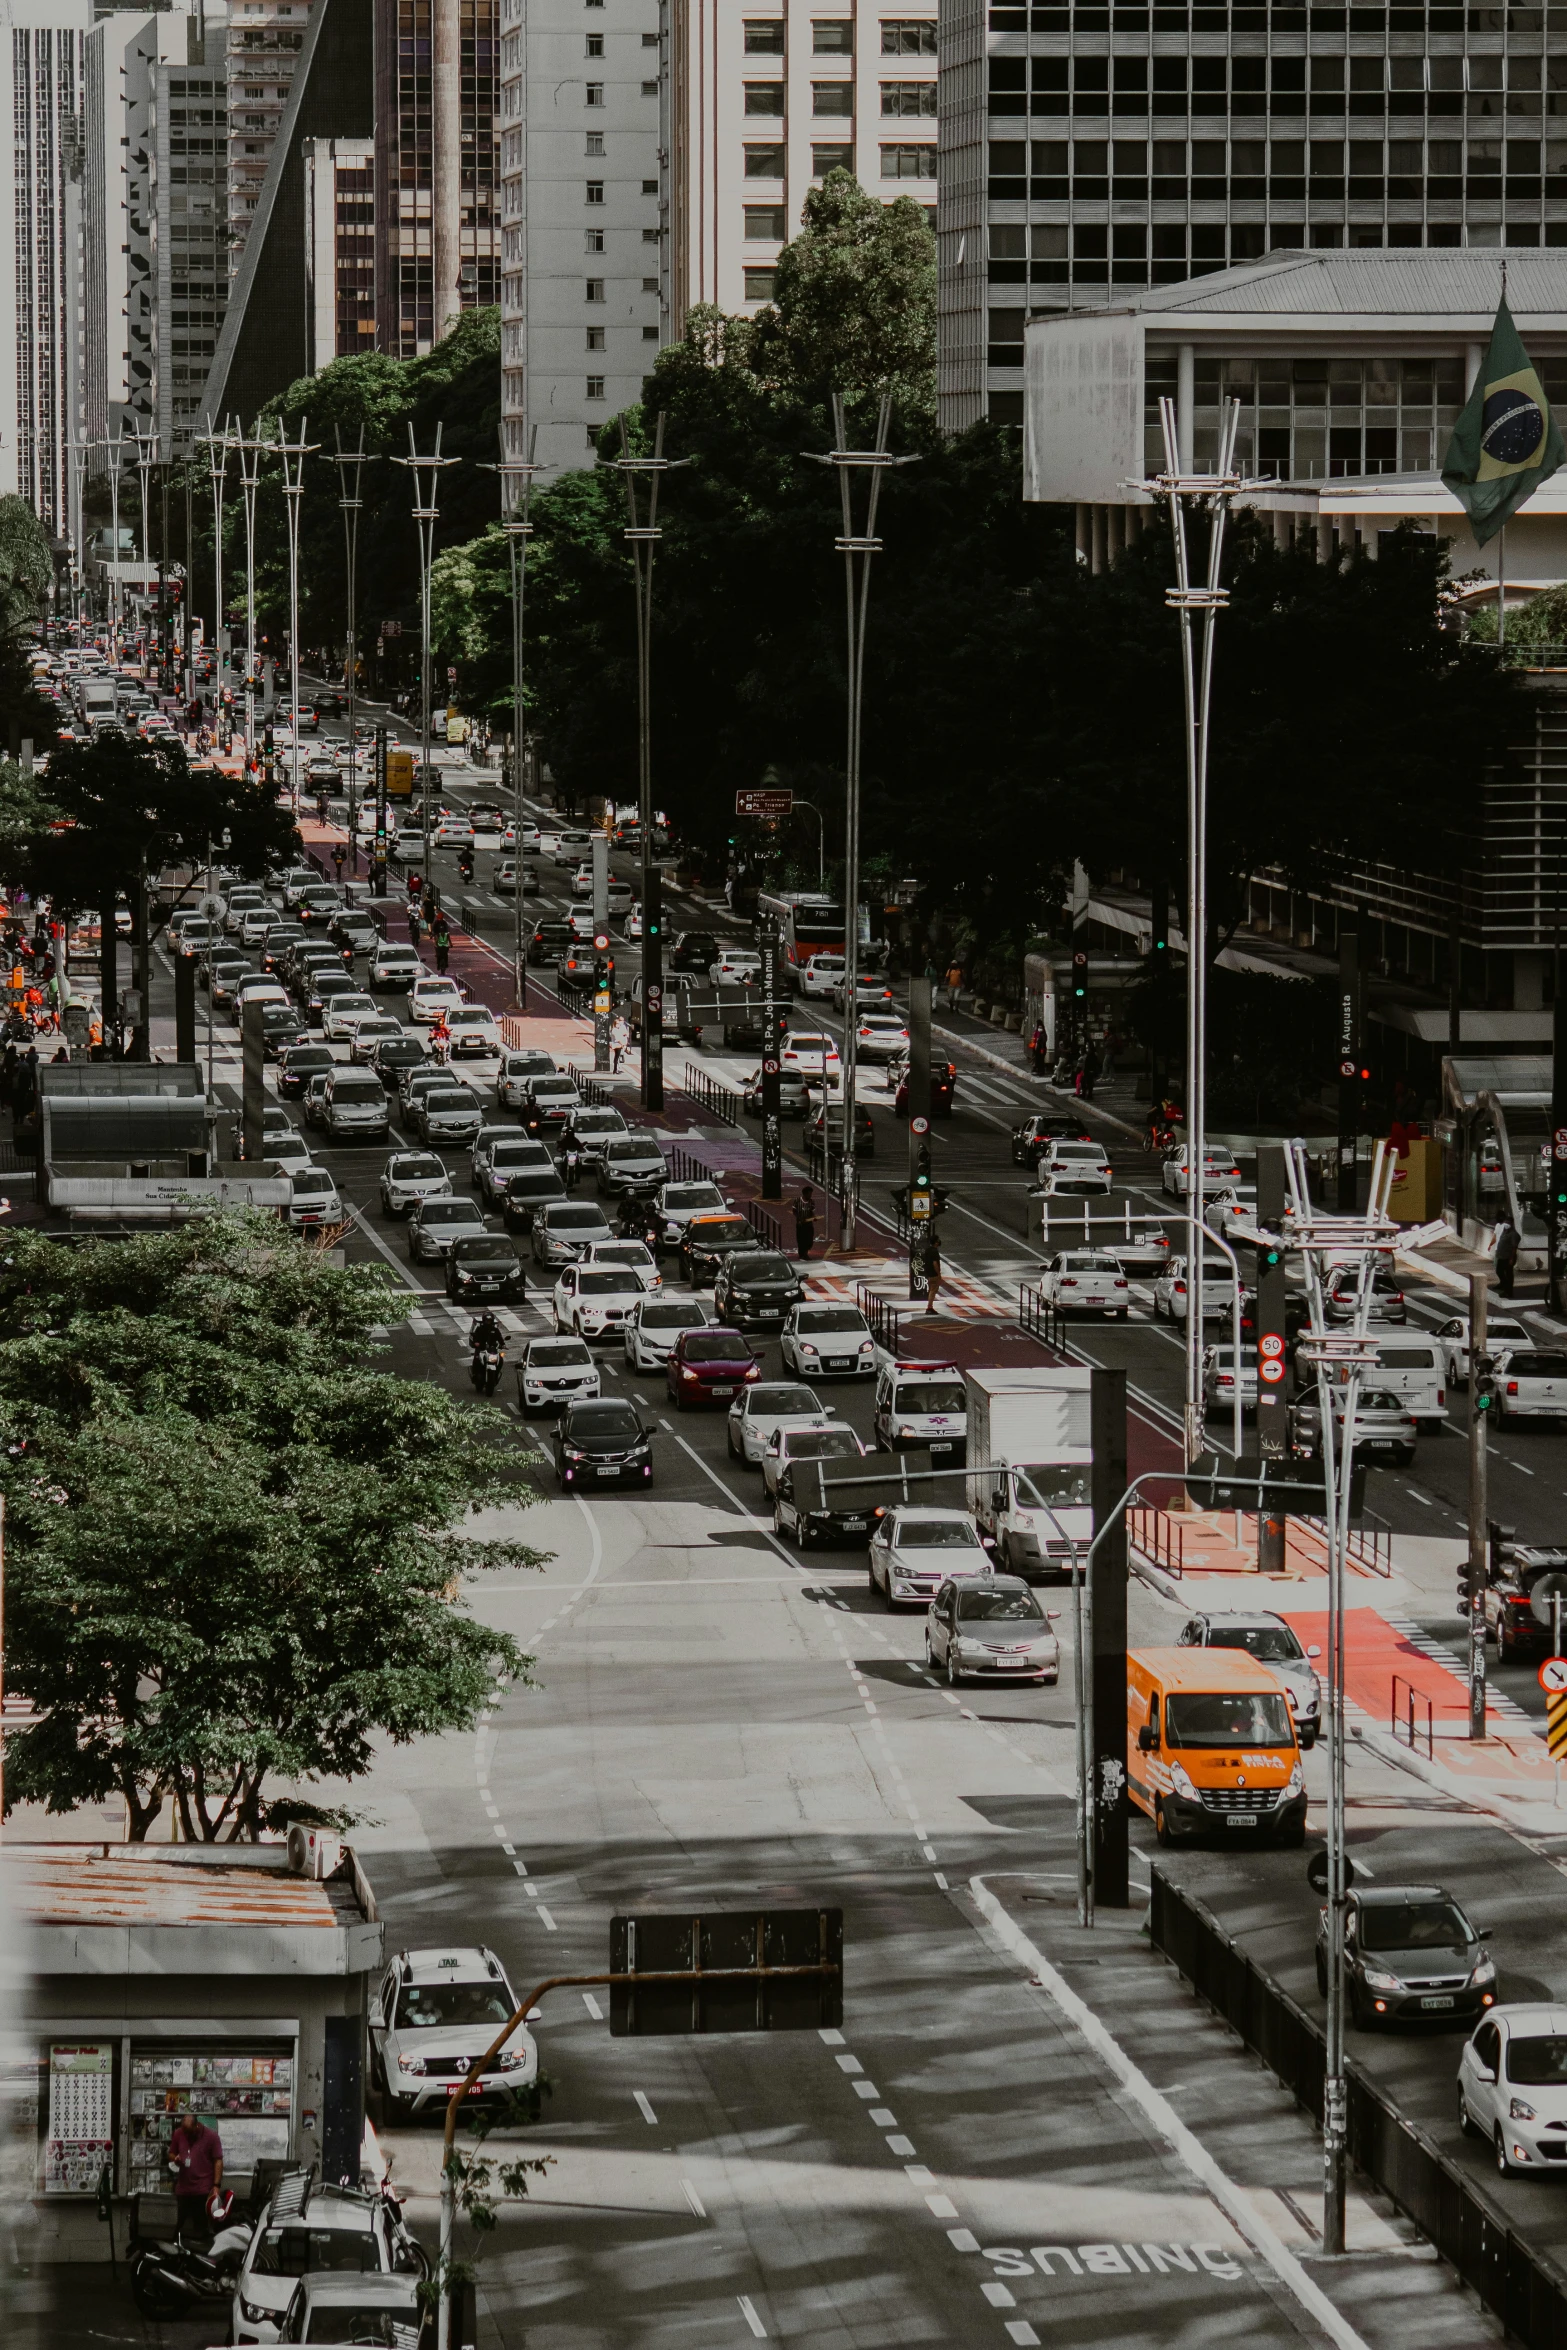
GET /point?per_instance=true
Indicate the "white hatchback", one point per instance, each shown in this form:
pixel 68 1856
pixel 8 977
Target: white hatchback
pixel 655 1323
pixel 811 1053
pixel 1512 2085
pixel 820 974
pixel 819 1341
pixel 432 995
pixel 629 1256
pixel 1530 1383
pixel 475 1032
pixel 761 1411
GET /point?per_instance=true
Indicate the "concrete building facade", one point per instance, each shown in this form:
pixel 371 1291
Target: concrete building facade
pixel 437 133
pixel 43 60
pixel 265 39
pixel 340 256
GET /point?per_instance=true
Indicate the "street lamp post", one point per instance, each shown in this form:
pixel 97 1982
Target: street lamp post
pixel 350 463
pixel 80 451
pixel 1216 490
pixel 291 456
pixel 516 477
pixel 856 548
pixel 426 473
pixel 642 536
pixel 117 461
pixel 250 453
pixel 217 446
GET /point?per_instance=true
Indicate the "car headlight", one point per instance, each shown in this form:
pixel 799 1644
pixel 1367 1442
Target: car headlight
pixel 1181 1781
pixel 867 1346
pixel 1519 2110
pixel 1485 1972
pixel 410 2064
pixel 1376 1980
pixel 906 1430
pixel 1295 1783
pixel 509 2061
pixel 254 2314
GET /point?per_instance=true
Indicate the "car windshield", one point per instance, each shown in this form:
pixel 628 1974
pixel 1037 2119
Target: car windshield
pixel 358 1089
pixel 302 2251
pixel 787 1401
pixel 1078 1150
pixel 446 2006
pixel 929 1395
pixel 935 1534
pixel 1538 2062
pixel 674 1314
pixel 1377 1400
pixel 484 1252
pixel 1094 1264
pixel 692 1195
pixel 600 1421
pixel 1055 1482
pixel 622 1252
pixel 1271 1644
pixel 565 1354
pixel 1406 1358
pixel 611 1283
pixel 764 1268
pixel 312 1183
pixel 1224 1717
pixel 999 1607
pixel 553 1089
pixel 824 1444
pixel 471 1019
pixel 517 1154
pixel 456 1097
pixel 626 1146
pixel 719 1347
pixel 1413 1925
pixel 448 1211
pixel 711 1228
pixel 584 1219
pixel 416 1170
pixel 535 1183
pixel 392 2329
pixel 833 1318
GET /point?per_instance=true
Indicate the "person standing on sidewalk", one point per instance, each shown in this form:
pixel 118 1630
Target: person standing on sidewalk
pixel 1506 1257
pixel 954 985
pixel 804 1222
pixel 196 2160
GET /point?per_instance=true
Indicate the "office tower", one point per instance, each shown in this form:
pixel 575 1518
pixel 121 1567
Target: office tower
pixel 581 282
pixel 265 40
pixel 340 254
pixel 437 97
pixel 42 69
pixel 179 119
pixel 766 98
pixel 1086 150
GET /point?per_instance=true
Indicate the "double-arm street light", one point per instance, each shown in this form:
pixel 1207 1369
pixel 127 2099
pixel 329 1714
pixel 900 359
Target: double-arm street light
pixel 350 464
pixel 218 446
pixel 291 456
pixel 426 473
pixel 516 478
pixel 250 453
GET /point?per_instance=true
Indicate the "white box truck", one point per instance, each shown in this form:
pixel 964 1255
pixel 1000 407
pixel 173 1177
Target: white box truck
pixel 1030 1443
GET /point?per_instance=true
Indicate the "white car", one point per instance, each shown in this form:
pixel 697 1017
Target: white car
pixel 1512 2084
pixel 1219 1172
pixel 309 2226
pixel 410 1176
pixel 736 967
pixel 760 1411
pixel 1530 1383
pixel 812 1052
pixel 632 1256
pixel 819 1341
pixel 263 989
pixel 395 967
pixel 451 832
pixel 1232 1210
pixel 517 1072
pixel 289 1151
pixel 594 1301
pixel 655 1323
pixel 379 1028
pixel 1081 1168
pixel 913 1551
pixel 555 1372
pixel 1218 1290
pixel 881 1036
pixel 248 899
pixel 832 1441
pixel 1086 1281
pixel 820 974
pixel 315 1199
pixel 674 1205
pixel 1452 1336
pixel 571 848
pixel 475 1031
pixel 582 885
pixel 431 996
pixel 434 2013
pixel 341 1015
pixel 255 923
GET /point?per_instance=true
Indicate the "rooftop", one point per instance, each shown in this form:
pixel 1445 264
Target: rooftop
pixel 140 1885
pixel 1461 287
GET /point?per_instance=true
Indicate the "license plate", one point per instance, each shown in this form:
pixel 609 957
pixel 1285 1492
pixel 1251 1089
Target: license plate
pixel 1445 2000
pixel 939 1445
pixel 1240 1820
pixel 854 1525
pixel 606 1472
pixel 1008 1664
pixel 840 1363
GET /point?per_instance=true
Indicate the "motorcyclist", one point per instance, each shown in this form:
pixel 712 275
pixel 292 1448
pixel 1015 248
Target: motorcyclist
pixel 487 1336
pixel 440 1037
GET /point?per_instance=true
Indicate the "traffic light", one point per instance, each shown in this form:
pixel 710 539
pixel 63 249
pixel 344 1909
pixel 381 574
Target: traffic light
pixel 1079 977
pixel 1480 1374
pixel 922 1200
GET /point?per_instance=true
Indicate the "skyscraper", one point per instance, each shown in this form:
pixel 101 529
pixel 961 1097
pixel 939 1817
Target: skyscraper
pixel 42 68
pixel 264 42
pixel 437 227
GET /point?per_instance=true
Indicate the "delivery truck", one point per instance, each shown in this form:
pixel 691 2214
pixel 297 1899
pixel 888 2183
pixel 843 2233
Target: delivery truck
pixel 1030 1445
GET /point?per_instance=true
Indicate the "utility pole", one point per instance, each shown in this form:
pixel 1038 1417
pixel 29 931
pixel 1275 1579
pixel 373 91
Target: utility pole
pixel 517 477
pixel 772 1045
pixel 642 537
pixel 1348 1058
pixel 1272 1346
pixel 426 475
pixel 291 456
pixel 1479 1500
pixel 217 446
pixel 250 454
pixel 350 463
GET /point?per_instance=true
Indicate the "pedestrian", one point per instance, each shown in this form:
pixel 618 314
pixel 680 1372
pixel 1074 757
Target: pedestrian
pixel 932 1269
pixel 619 1041
pixel 1506 1256
pixel 1107 1064
pixel 443 944
pixel 954 985
pixel 1090 1074
pixel 415 927
pixel 804 1222
pixel 196 2162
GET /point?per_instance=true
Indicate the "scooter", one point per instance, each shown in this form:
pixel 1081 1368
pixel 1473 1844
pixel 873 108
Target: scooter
pixel 169 2279
pixel 488 1364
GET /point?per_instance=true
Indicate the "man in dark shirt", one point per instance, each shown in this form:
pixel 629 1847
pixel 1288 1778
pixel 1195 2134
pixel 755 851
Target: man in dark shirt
pixel 196 2159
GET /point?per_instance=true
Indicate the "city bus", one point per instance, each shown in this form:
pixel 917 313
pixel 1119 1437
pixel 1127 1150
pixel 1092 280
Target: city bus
pixel 808 924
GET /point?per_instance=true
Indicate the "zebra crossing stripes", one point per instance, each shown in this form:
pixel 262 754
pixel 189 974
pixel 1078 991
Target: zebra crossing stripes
pixel 1437 1652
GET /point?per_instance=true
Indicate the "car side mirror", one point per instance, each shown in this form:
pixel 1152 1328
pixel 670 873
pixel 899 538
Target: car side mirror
pixel 1314 1650
pixel 1146 1741
pixel 377 2017
pixel 1483 2072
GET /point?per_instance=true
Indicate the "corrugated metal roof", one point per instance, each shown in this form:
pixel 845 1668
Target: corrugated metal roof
pixel 1464 284
pixel 89 1885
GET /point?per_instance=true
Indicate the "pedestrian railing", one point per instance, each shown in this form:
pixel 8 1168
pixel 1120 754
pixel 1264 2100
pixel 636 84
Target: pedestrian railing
pixel 886 1318
pixel 1159 1538
pixel 765 1225
pixel 1040 1317
pixel 1405 1717
pixel 719 1101
pixel 590 1089
pixel 1370 1543
pixel 683 1168
pixel 831 1172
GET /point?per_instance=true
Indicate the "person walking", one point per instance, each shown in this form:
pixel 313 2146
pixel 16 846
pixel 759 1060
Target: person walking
pixel 804 1222
pixel 1506 1256
pixel 443 944
pixel 932 1268
pixel 954 984
pixel 619 1041
pixel 196 2162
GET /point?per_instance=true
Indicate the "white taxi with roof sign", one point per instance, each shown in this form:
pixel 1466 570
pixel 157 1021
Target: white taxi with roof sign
pixel 922 1406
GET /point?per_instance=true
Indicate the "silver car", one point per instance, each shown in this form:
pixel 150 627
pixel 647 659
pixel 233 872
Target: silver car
pixel 993 1629
pixel 761 1411
pixel 788 1443
pixel 1385 1427
pixel 411 1176
pixel 565 1228
pixel 914 1551
pixel 497 1159
pixel 1218 1379
pixel 1273 1643
pixel 448 1113
pixel 436 1223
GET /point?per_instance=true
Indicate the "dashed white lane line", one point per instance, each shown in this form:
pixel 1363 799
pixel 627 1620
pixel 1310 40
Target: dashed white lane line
pixel 748 2312
pixel 593 2007
pixel 644 2108
pixel 694 2199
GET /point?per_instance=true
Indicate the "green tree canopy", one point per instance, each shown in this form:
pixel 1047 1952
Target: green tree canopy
pixel 235 1553
pixel 854 302
pixel 26 565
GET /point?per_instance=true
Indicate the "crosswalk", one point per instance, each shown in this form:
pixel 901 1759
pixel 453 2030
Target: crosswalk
pixel 1439 1653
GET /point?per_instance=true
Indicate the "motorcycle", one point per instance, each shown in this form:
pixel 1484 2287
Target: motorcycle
pixel 169 2279
pixel 465 866
pixel 488 1364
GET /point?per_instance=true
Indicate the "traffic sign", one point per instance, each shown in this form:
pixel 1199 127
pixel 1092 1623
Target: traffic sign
pixel 1272 1370
pixel 761 800
pixel 1553 1676
pixel 920 1125
pixel 1556 1727
pixel 1270 1344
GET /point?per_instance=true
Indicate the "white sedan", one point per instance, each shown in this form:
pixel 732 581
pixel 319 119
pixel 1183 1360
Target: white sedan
pixel 582 883
pixel 811 1053
pixel 1080 1168
pixel 474 1031
pixel 596 1303
pixel 820 975
pixel 1086 1281
pixel 341 1015
pixel 1218 1290
pixel 655 1323
pixel 1452 1336
pixel 381 1029
pixel 1232 1210
pixel 632 1256
pixel 1219 1172
pixel 759 1412
pixel 881 1036
pixel 735 967
pixel 914 1551
pixel 432 995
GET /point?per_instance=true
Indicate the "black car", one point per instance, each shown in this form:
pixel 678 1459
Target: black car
pixel 526 1193
pixel 298 1063
pixel 755 1289
pixel 1518 1593
pixel 394 1054
pixel 484 1268
pixel 707 1241
pixel 1030 1139
pixel 280 938
pixel 548 940
pixel 601 1443
pixel 693 951
pixel 1410 1955
pixel 281 1027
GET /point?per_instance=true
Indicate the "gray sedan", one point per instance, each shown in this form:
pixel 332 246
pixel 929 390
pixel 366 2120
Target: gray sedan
pixel 1385 1427
pixel 994 1630
pixel 436 1223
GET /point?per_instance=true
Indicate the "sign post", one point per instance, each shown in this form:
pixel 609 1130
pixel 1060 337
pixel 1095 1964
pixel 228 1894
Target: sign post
pixel 1109 1847
pixel 1272 1348
pixel 1348 1059
pixel 772 1034
pixel 764 800
pixel 1479 1406
pixel 603 994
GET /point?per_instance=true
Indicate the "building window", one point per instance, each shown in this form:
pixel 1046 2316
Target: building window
pixel 764 36
pixel 908 98
pixel 764 163
pixel 595 236
pixel 832 36
pixel 650 187
pixel 650 334
pixel 908 37
pixel 595 44
pixel 595 192
pixel 650 89
pixel 595 144
pixel 764 97
pixel 650 285
pixel 908 163
pixel 595 93
pixel 595 387
pixel 826 159
pixel 650 40
pixel 832 98
pixel 759 284
pixel 651 236
pixel 596 338
pixel 595 292
pixel 766 220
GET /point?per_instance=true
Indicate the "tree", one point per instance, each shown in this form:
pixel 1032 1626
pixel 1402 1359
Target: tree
pixel 26 565
pixel 854 300
pixel 234 1553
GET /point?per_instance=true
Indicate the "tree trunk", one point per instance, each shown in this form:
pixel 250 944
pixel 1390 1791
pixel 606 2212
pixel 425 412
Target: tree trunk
pixel 109 977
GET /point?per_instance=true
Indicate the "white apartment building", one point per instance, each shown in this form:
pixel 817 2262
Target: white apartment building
pixel 339 248
pixel 581 275
pixel 767 96
pixel 264 41
pixel 42 81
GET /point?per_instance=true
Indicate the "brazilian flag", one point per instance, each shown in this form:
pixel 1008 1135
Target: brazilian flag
pixel 1506 442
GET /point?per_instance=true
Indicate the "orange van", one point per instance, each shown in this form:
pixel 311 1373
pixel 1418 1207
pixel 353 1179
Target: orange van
pixel 1210 1746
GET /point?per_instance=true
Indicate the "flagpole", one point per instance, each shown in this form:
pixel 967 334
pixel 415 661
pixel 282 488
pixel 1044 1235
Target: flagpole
pixel 1501 585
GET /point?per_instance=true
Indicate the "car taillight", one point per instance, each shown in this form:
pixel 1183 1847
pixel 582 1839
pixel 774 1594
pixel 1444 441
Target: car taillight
pixel 1512 1387
pixel 1123 1284
pixel 1518 1599
pixel 1225 1379
pixel 1067 1284
pixel 1441 1398
pixel 1180 1288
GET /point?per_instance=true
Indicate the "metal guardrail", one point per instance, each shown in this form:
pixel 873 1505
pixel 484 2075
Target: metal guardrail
pixel 718 1100
pixel 1407 1717
pixel 602 1096
pixel 683 1168
pixel 1160 1538
pixel 1039 1317
pixel 1519 2283
pixel 1370 1543
pixel 885 1318
pixel 765 1225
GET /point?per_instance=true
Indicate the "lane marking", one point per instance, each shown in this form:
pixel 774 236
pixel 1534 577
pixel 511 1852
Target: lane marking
pixel 643 2107
pixel 750 2316
pixel 593 2007
pixel 693 2198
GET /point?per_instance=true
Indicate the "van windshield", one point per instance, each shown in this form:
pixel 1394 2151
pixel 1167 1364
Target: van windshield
pixel 1052 1482
pixel 929 1395
pixel 1226 1717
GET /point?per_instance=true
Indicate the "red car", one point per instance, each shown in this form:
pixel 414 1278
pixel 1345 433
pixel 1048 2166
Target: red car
pixel 709 1366
pixel 943 1078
